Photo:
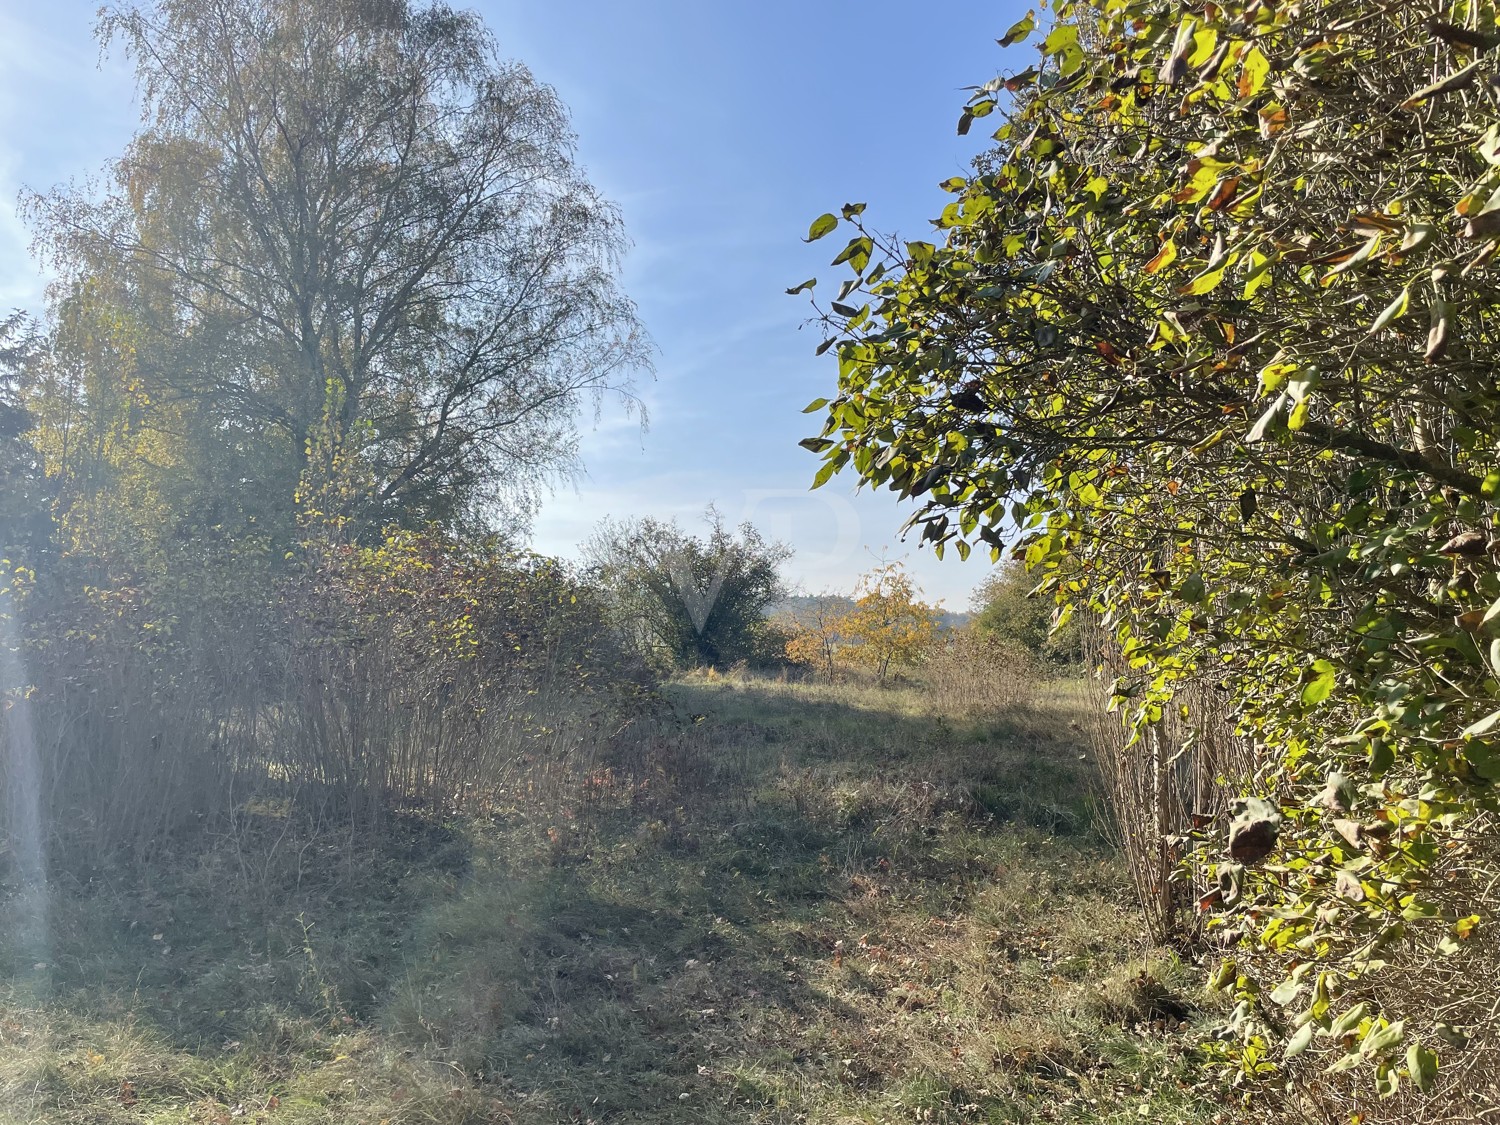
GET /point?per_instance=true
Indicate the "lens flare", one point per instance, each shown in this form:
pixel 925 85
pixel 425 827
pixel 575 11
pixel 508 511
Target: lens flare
pixel 26 917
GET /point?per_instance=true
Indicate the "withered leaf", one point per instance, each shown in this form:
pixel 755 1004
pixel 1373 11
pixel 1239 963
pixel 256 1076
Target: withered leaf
pixel 1437 336
pixel 1458 80
pixel 1224 193
pixel 1350 830
pixel 1348 887
pixel 1464 37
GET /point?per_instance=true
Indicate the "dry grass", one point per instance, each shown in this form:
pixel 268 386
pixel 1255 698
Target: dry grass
pixel 791 903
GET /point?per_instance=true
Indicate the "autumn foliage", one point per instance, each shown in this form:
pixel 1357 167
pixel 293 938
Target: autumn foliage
pixel 886 627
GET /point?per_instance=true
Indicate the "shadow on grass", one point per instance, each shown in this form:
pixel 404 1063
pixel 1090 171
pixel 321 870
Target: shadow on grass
pixel 1026 765
pixel 208 938
pixel 785 906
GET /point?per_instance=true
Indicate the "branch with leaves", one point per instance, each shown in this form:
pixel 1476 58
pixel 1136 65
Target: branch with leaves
pixel 1208 338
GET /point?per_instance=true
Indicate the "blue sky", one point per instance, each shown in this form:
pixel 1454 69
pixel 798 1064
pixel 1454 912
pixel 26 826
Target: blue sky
pixel 721 130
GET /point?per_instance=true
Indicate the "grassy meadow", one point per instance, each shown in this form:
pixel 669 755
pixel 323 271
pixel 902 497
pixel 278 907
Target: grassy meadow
pixel 770 902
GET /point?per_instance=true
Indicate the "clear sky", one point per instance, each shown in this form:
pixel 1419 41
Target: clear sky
pixel 722 130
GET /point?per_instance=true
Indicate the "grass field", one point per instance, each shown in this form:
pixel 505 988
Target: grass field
pixel 776 903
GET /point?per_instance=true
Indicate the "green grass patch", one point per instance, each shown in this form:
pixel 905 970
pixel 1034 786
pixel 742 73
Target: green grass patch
pixel 791 903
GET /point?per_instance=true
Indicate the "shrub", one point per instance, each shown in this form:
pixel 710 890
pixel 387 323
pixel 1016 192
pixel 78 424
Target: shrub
pixel 418 671
pixel 688 601
pixel 1211 333
pixel 1007 606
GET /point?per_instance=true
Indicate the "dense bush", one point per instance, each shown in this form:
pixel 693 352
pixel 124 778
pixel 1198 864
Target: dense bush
pixel 1007 607
pixel 1214 331
pixel 357 679
pixel 688 601
pixel 346 277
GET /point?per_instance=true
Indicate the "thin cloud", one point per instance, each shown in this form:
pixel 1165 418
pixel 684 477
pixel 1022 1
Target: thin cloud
pixel 62 114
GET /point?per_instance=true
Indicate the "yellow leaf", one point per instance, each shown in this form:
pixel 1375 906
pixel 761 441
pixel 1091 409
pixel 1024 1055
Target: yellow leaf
pixel 1164 257
pixel 1244 205
pixel 1204 283
pixel 1203 175
pixel 1273 376
pixel 1254 71
pixel 1205 40
pixel 1260 273
pixel 1298 417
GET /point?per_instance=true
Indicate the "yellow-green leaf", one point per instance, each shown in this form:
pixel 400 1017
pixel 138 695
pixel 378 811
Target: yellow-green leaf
pixel 1019 30
pixel 1383 1039
pixel 1393 311
pixel 1254 70
pixel 1321 678
pixel 1274 375
pixel 1260 273
pixel 821 226
pixel 1421 1066
pixel 1205 282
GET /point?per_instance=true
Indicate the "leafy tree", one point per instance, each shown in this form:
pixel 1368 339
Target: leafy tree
pixel 1212 335
pixel 24 499
pixel 815 633
pixel 889 626
pixel 1006 608
pixel 347 232
pixel 688 600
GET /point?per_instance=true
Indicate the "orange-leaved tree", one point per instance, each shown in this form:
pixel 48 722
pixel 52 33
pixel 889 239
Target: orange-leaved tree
pixel 890 627
pixel 815 633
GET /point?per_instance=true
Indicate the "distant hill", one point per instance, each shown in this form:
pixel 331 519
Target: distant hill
pixel 801 604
